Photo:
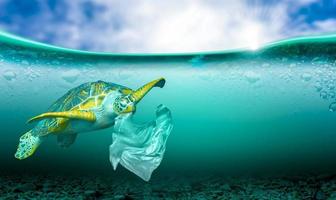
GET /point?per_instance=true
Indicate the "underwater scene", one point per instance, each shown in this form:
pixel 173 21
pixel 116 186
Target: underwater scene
pixel 241 124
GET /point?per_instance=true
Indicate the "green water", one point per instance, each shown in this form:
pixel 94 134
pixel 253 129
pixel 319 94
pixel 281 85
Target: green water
pixel 235 112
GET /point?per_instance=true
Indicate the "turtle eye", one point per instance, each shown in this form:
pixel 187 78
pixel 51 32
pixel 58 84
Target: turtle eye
pixel 123 103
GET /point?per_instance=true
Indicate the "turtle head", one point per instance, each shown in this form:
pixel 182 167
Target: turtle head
pixel 126 104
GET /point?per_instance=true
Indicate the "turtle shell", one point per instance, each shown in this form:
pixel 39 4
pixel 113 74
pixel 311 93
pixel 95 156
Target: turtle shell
pixel 83 97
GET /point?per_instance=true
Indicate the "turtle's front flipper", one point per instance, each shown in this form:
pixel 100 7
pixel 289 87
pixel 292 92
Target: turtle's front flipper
pixel 27 146
pixel 73 114
pixel 140 148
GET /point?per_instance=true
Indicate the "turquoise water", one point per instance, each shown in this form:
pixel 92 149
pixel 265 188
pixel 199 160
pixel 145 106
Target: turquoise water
pixel 265 111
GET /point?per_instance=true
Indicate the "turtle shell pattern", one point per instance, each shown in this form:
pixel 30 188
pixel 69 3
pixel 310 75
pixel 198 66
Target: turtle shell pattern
pixel 84 97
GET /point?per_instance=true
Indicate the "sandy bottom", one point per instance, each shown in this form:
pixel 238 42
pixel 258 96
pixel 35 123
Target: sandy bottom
pixel 166 187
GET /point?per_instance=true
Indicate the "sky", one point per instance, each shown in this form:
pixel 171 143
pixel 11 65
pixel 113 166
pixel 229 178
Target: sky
pixel 154 26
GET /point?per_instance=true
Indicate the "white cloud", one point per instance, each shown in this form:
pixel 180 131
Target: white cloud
pixel 179 25
pixel 325 26
pixel 318 27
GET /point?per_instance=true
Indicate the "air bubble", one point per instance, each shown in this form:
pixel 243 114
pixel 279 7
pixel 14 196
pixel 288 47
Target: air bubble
pixel 9 75
pixel 317 61
pixel 32 74
pixel 55 62
pixel 331 86
pixel 25 62
pixel 197 60
pixel 70 76
pixel 292 65
pixel 207 76
pixel 306 76
pixel 332 107
pixel 266 65
pixel 318 86
pixel 252 77
pixel 324 95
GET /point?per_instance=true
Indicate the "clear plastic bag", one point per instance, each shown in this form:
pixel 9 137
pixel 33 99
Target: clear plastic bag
pixel 140 147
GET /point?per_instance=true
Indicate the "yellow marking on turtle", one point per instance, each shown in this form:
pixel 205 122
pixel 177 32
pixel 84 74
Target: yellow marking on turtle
pixel 67 100
pixel 96 89
pixel 61 124
pixel 86 105
pixel 100 99
pixel 73 114
pixel 99 88
pixel 90 102
pixel 111 89
pixel 83 92
pixel 81 99
pixel 126 91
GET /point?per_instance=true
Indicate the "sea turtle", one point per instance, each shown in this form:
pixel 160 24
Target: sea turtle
pixel 88 107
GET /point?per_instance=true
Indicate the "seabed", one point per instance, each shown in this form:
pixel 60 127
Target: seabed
pixel 167 187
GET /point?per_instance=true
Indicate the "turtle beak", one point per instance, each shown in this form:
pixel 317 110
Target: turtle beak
pixel 137 95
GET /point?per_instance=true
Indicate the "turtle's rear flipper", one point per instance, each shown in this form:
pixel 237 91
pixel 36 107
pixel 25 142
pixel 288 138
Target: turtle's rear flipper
pixel 140 148
pixel 65 141
pixel 27 146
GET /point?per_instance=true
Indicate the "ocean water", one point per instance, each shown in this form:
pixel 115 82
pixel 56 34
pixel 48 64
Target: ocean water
pixel 264 112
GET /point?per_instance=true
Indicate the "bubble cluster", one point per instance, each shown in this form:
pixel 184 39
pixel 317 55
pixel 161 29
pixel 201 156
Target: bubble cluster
pixel 325 82
pixel 318 86
pixel 324 95
pixel 332 107
pixel 318 72
pixel 31 73
pixel 287 76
